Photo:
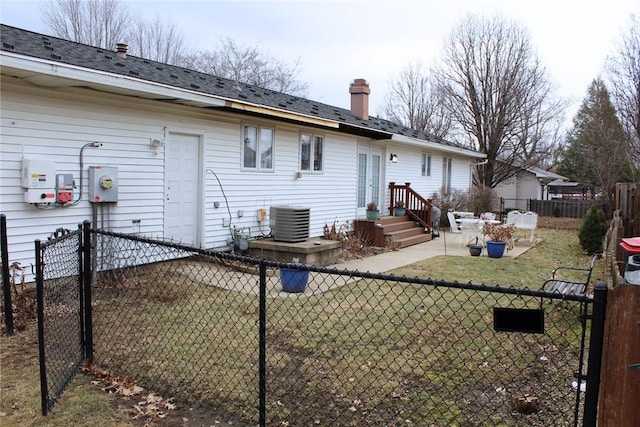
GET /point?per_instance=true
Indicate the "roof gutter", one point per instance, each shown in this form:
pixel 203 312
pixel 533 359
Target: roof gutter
pixel 33 69
pixel 437 146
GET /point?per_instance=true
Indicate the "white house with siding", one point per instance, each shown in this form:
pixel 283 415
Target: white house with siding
pixel 527 183
pixel 142 147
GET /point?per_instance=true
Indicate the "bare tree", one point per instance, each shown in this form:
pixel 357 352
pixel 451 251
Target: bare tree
pixel 249 64
pixel 157 40
pixel 498 95
pixel 624 76
pixel 104 23
pixel 413 102
pixel 101 23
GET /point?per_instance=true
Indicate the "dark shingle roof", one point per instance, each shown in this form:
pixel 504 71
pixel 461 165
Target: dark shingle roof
pixel 45 47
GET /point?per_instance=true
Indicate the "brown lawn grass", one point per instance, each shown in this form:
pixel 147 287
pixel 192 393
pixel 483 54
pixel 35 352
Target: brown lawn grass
pixel 85 404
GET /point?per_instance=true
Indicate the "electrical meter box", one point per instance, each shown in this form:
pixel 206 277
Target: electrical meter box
pixel 64 188
pixel 103 184
pixel 38 179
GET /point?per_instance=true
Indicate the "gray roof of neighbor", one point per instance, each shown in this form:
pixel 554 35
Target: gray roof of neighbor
pixel 50 48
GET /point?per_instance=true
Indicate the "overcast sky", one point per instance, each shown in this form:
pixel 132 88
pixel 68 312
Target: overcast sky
pixel 338 41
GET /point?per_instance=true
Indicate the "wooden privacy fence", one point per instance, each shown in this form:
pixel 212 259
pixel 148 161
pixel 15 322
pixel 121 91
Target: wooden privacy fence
pixel 628 205
pixel 620 375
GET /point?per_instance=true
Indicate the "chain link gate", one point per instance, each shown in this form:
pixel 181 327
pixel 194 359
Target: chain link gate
pixel 59 293
pixel 217 331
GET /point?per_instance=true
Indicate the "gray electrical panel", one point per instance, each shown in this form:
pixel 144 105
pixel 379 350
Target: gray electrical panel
pixel 103 184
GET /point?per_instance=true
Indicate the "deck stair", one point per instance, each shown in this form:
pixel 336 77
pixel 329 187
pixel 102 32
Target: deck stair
pixel 401 231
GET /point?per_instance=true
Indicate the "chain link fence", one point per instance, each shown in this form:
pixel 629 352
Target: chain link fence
pixel 59 310
pixel 219 331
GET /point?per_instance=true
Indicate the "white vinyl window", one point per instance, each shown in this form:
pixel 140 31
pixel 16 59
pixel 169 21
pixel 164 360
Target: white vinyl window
pixel 311 152
pixel 446 174
pixel 257 148
pixel 426 164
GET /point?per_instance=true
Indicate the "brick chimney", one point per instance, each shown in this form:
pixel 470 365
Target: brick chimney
pixel 121 48
pixel 360 91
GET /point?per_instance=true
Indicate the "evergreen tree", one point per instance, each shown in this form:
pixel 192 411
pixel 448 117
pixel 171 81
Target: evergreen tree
pixel 593 229
pixel 596 150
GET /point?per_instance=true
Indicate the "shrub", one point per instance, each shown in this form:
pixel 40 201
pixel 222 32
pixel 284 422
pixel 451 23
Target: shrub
pixel 483 199
pixel 455 200
pixel 594 227
pixel 335 232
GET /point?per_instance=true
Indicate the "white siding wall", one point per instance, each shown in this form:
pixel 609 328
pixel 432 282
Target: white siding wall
pixel 507 189
pixel 518 189
pixel 529 186
pixel 409 169
pixel 55 123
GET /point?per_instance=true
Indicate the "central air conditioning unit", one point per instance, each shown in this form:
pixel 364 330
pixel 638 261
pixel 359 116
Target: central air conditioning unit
pixel 289 223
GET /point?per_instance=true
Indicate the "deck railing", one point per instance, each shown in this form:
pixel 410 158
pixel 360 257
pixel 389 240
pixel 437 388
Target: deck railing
pixel 418 208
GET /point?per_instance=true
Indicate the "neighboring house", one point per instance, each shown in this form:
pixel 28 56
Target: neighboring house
pixel 571 190
pixel 527 183
pixel 142 147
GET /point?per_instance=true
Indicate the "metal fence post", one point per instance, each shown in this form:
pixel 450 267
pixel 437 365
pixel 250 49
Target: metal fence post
pixel 86 278
pixel 81 286
pixel 263 346
pixel 6 285
pixel 44 392
pixel 594 361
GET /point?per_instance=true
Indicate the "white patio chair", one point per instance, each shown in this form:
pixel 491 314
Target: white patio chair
pixel 512 217
pixel 472 231
pixel 467 231
pixel 490 216
pixel 453 227
pixel 528 221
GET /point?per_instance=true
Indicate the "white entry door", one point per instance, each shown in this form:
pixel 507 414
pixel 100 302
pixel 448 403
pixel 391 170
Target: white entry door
pixel 182 189
pixel 369 178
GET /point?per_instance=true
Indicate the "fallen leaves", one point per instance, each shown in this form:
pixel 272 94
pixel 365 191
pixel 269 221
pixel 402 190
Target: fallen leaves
pixel 151 406
pixel 525 404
